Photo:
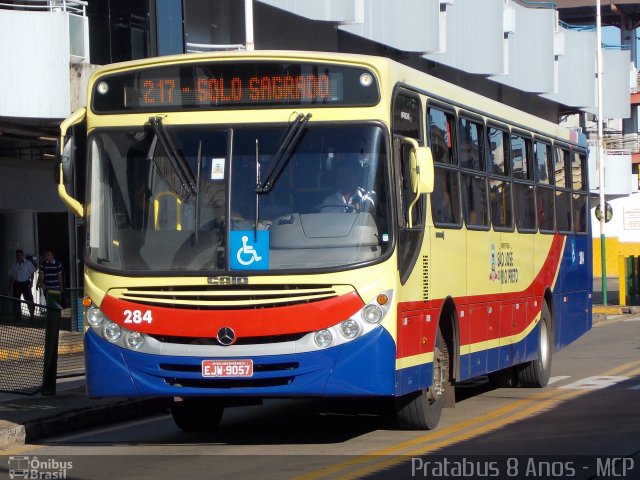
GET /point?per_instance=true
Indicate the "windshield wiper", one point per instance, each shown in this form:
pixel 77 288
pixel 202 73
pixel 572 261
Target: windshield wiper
pixel 180 167
pixel 291 139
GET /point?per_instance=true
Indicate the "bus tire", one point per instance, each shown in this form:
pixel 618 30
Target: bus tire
pixel 197 414
pixel 421 410
pixel 537 372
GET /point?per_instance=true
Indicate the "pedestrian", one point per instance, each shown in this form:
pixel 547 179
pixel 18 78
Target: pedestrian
pixel 20 282
pixel 50 274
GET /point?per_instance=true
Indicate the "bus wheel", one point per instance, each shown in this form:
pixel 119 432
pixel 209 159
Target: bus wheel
pixel 537 372
pixel 197 414
pixel 421 410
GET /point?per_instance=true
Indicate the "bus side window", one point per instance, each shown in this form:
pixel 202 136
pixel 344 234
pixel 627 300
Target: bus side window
pixel 474 178
pixel 524 199
pixel 499 181
pixel 445 199
pixel 544 187
pixel 580 195
pixel 563 190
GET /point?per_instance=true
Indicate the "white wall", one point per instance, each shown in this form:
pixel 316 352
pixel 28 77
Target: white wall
pixel 474 37
pixel 390 23
pixel 628 231
pixel 618 178
pixel 523 47
pixel 340 11
pixel 34 51
pixel 531 60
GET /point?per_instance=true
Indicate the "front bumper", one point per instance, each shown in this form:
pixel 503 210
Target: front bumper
pixel 363 367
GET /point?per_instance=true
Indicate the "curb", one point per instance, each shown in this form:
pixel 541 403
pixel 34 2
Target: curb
pixel 604 313
pixel 11 435
pixel 14 435
pixel 616 309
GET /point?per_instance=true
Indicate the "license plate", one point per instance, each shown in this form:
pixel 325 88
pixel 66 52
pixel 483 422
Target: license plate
pixel 227 368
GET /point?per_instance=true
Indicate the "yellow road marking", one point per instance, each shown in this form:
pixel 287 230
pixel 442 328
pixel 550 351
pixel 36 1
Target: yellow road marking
pixel 480 430
pixel 542 403
pixel 432 435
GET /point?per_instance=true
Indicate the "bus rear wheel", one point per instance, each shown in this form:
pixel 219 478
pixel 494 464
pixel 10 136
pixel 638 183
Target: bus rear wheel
pixel 421 410
pixel 537 372
pixel 197 414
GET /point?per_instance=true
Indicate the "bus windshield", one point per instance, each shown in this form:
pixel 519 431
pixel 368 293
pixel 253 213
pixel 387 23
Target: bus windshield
pixel 171 198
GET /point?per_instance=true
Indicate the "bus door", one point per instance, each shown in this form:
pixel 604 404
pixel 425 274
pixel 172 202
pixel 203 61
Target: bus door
pixel 414 274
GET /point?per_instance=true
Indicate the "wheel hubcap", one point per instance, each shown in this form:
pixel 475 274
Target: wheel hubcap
pixel 439 376
pixel 544 345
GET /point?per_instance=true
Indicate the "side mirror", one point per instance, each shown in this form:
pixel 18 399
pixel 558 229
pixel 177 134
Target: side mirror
pixel 421 174
pixel 66 161
pixel 421 165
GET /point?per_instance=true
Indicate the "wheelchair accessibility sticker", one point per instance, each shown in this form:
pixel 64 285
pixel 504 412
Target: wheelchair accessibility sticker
pixel 249 252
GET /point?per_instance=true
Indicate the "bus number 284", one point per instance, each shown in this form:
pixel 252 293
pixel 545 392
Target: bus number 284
pixel 137 316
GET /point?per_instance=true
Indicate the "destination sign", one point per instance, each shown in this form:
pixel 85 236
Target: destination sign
pixel 234 85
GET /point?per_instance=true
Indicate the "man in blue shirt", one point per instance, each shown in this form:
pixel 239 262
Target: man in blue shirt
pixel 50 275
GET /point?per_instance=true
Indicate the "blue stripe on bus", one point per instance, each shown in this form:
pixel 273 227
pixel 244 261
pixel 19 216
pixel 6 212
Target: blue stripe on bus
pixel 365 366
pixel 497 358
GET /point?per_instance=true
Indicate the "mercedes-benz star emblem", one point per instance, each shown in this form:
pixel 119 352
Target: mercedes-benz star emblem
pixel 226 336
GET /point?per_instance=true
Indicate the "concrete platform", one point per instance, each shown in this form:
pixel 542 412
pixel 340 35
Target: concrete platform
pixel 26 419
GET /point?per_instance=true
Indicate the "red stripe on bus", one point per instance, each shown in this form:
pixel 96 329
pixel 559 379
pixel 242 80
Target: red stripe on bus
pixel 511 313
pixel 250 322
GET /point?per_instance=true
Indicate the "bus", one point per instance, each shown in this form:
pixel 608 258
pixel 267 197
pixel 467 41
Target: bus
pixel 274 224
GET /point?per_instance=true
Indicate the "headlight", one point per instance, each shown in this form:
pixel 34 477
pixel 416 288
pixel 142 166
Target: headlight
pixel 372 313
pixel 350 328
pixel 134 340
pixel 112 332
pixel 94 317
pixel 323 338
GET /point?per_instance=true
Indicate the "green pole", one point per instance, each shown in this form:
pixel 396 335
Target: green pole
pixel 52 332
pixel 603 254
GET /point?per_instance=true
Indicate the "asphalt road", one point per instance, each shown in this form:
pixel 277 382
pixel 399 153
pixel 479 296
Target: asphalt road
pixel 585 424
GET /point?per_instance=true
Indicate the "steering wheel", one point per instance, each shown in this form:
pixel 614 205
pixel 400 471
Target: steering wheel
pixel 350 208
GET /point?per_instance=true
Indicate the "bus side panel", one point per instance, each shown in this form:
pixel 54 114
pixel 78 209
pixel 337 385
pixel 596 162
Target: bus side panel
pixel 493 354
pixel 479 326
pixel 364 368
pixel 410 379
pixel 572 293
pixel 476 321
pixel 480 352
pixel 416 339
pixel 575 317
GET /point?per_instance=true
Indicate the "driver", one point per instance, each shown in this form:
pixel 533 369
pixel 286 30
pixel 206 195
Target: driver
pixel 349 197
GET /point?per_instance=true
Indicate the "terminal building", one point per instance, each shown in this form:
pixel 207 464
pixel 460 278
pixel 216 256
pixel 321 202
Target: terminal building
pixel 536 56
